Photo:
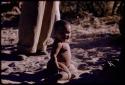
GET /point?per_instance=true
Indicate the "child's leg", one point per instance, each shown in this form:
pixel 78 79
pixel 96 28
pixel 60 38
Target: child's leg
pixel 72 68
pixel 53 78
pixel 74 71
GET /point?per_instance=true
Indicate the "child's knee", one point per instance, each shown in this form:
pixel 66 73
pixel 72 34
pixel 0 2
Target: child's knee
pixel 73 68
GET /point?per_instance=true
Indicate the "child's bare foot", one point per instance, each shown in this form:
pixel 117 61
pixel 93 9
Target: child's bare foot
pixel 74 76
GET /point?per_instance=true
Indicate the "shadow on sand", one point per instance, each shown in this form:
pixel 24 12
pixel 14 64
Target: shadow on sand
pixel 24 77
pixel 10 57
pixel 98 77
pixel 110 75
pixel 101 40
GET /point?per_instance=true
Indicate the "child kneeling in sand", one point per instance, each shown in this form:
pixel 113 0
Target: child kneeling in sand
pixel 60 61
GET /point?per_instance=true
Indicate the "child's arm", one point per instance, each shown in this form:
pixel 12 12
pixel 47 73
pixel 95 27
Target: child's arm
pixel 55 52
pixel 67 55
pixel 63 67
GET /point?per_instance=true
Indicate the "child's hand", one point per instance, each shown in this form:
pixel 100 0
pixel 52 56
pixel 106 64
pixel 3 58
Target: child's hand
pixel 63 67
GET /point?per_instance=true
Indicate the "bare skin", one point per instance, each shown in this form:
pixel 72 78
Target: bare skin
pixel 61 54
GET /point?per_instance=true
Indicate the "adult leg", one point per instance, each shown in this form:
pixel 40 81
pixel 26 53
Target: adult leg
pixel 37 30
pixel 51 13
pixel 46 28
pixel 26 26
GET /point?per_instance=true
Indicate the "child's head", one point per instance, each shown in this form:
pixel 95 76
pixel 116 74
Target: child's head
pixel 62 30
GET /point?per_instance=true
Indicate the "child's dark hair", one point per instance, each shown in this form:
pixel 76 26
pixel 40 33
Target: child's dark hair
pixel 60 25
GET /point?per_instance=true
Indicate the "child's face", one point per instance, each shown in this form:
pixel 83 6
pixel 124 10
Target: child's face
pixel 64 35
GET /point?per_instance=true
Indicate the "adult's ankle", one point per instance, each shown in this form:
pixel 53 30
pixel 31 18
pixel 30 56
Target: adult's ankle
pixel 42 52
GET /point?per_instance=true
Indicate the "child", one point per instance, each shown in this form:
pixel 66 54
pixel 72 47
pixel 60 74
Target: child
pixel 60 61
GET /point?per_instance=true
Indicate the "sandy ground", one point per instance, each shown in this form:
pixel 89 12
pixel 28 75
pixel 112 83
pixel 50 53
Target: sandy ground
pixel 93 44
pixel 91 48
pixel 95 47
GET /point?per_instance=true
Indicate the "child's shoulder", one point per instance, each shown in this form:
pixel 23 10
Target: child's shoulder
pixel 58 44
pixel 65 44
